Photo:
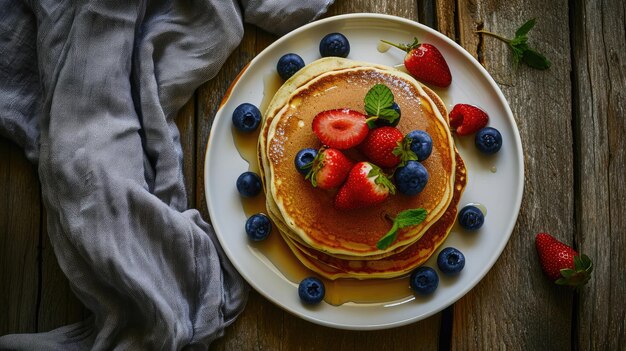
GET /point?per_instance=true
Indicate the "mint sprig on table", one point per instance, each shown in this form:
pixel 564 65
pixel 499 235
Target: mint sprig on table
pixel 521 51
pixel 378 102
pixel 404 219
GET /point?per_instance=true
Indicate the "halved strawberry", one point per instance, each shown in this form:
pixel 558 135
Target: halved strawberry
pixel 366 185
pixel 330 168
pixel 467 119
pixel 340 128
pixel 379 146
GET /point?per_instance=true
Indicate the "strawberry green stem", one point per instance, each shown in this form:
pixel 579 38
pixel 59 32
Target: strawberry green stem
pixel 494 35
pixel 399 46
pixel 371 119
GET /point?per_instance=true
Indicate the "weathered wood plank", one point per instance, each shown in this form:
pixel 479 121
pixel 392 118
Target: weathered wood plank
pixel 598 43
pixel 58 306
pixel 515 307
pixel 20 222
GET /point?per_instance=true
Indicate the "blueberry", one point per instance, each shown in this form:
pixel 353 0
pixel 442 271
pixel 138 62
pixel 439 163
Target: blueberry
pixel 311 290
pixel 424 280
pixel 288 65
pixel 421 144
pixel 334 44
pixel 246 117
pixel 488 140
pixel 258 227
pixel 249 184
pixel 450 261
pixel 381 122
pixel 304 159
pixel 411 178
pixel 471 218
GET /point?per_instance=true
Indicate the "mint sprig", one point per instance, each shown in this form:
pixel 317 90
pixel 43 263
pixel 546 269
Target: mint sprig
pixel 404 219
pixel 521 51
pixel 378 102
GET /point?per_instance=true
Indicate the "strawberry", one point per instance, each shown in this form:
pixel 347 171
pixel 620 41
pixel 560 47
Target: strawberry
pixel 329 169
pixel 467 119
pixel 379 146
pixel 561 263
pixel 340 128
pixel 425 62
pixel 366 185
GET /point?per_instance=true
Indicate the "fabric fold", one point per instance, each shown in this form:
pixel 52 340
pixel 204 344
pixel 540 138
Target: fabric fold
pixel 92 93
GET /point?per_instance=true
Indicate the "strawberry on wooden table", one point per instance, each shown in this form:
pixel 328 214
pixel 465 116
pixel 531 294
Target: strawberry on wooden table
pixel 467 119
pixel 561 263
pixel 329 169
pixel 425 62
pixel 340 128
pixel 366 186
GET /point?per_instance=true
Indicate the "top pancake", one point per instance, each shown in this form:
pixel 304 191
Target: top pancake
pixel 307 214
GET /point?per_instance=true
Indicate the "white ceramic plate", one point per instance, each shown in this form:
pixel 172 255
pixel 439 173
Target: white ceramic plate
pixel 495 181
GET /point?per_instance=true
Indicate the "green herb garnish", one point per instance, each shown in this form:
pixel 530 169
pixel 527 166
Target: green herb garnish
pixel 378 102
pixel 521 51
pixel 404 219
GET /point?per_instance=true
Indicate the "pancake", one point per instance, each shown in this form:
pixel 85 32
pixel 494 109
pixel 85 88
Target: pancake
pixel 398 264
pixel 306 215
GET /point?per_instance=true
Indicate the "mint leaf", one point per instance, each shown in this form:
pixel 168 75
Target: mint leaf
pixel 378 102
pixel 525 28
pixel 388 113
pixel 404 219
pixel 535 60
pixel 378 98
pixel 522 52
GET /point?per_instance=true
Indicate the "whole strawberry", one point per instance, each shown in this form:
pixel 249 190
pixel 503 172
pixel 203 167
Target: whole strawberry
pixel 329 169
pixel 366 186
pixel 379 146
pixel 467 119
pixel 426 63
pixel 561 263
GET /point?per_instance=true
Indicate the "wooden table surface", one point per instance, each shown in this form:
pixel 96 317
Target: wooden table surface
pixel 572 121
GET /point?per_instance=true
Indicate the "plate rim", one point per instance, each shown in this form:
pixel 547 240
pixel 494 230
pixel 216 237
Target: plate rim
pixel 509 116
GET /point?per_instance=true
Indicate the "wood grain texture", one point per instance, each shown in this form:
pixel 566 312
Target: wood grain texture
pixel 599 70
pixel 514 306
pixel 20 219
pixel 58 306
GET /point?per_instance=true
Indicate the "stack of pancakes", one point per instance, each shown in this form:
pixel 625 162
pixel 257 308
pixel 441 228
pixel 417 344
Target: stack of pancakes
pixel 342 244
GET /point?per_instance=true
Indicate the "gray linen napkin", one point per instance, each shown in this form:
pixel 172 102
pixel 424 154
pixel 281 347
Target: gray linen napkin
pixel 89 89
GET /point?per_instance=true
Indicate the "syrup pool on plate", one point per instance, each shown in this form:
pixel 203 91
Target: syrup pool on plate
pixel 338 291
